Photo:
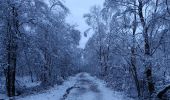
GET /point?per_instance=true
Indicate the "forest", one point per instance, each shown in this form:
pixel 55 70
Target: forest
pixel 126 58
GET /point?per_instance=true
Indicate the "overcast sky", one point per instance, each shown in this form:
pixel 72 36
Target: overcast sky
pixel 77 9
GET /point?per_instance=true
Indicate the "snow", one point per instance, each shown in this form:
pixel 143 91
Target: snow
pixel 3 97
pixel 90 88
pixel 26 82
pixel 104 92
pixel 167 78
pixel 54 93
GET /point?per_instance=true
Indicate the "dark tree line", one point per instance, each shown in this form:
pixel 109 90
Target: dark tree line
pixel 130 46
pixel 37 42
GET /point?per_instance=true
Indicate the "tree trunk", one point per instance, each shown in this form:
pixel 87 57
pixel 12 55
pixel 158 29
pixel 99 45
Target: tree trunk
pixel 147 54
pixel 134 73
pixel 148 66
pixel 12 32
pixel 133 56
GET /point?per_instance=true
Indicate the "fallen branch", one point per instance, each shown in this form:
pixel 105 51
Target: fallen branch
pixel 68 92
pixel 162 92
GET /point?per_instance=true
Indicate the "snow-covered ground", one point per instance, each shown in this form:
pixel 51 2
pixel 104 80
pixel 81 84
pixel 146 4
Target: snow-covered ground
pixel 81 87
pixel 27 82
pixel 21 82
